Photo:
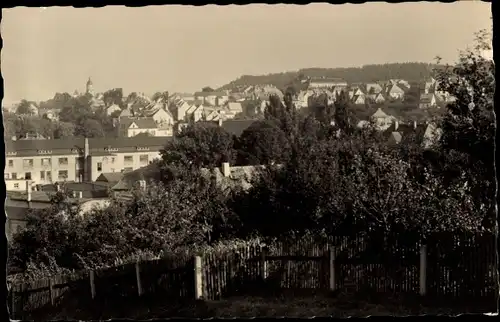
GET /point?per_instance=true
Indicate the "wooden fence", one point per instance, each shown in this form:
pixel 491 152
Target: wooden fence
pixel 446 266
pixel 171 277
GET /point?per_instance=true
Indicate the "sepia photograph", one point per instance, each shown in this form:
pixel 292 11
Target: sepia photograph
pixel 249 161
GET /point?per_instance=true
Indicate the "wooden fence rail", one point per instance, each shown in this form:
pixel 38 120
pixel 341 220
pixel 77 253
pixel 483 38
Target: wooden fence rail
pixel 456 266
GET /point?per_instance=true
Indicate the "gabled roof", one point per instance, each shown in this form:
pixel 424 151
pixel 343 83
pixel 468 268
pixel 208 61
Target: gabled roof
pixel 110 177
pixel 395 137
pixel 142 123
pixel 130 179
pixel 380 114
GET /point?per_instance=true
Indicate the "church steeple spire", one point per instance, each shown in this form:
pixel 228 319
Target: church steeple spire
pixel 90 89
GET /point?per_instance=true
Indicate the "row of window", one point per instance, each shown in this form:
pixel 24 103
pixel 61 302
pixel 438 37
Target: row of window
pixel 143 159
pixel 44 175
pixel 44 162
pixel 64 161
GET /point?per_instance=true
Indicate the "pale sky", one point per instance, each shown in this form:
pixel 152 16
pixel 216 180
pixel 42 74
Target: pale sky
pixel 184 48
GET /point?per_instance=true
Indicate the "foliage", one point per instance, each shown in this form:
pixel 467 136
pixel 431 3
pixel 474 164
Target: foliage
pixel 113 96
pixel 207 89
pixel 469 125
pixel 199 145
pixel 367 73
pixel 263 143
pixel 158 220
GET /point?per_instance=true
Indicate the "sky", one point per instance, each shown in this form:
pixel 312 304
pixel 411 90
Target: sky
pixel 184 48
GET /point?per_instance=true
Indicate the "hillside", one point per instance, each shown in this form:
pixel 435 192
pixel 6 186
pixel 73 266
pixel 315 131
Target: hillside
pixel 367 73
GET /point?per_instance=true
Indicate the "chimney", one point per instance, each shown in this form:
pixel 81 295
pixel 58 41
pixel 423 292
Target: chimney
pixel 86 148
pixel 226 169
pixel 58 186
pixel 396 125
pixel 28 192
pixel 80 194
pixel 414 125
pixel 220 121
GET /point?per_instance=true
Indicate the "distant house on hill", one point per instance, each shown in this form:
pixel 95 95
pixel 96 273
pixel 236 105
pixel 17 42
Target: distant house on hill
pixel 397 91
pixel 212 98
pixel 427 100
pixel 325 82
pixel 382 120
pixel 112 109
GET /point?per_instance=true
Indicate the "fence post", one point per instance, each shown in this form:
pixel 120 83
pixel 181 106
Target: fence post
pixel 263 263
pixel 332 269
pixel 138 277
pixel 92 284
pixel 198 286
pixel 13 301
pixel 51 291
pixel 423 269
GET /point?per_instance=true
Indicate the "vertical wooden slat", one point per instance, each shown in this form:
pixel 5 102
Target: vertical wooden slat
pixel 138 278
pixel 51 291
pixel 92 284
pixel 423 270
pixel 198 277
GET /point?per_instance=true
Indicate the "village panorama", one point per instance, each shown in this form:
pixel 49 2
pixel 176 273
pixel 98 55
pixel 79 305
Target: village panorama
pixel 336 191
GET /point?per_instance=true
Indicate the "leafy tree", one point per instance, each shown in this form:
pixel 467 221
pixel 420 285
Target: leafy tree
pixel 63 130
pixel 343 116
pixel 469 126
pixel 207 89
pixel 24 108
pixel 199 145
pixel 113 96
pixel 263 143
pixel 161 95
pixel 89 128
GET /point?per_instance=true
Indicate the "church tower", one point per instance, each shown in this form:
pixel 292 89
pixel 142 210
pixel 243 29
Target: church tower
pixel 90 87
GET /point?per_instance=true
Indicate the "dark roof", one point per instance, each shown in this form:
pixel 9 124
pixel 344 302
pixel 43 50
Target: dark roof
pixel 110 177
pixel 89 190
pixel 16 213
pixel 94 143
pixel 40 196
pixel 129 179
pixel 407 130
pixel 236 127
pixel 141 122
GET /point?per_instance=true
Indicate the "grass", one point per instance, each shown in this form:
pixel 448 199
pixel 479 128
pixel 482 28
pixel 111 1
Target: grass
pixel 285 304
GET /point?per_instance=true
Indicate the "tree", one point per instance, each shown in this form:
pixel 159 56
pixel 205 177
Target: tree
pixel 113 96
pixel 207 89
pixel 343 116
pixel 24 108
pixel 89 128
pixel 197 146
pixel 469 126
pixel 64 130
pixel 263 143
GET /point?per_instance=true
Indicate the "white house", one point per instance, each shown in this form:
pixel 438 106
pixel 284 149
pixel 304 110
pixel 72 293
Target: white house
pixel 359 99
pixel 373 88
pixel 235 107
pixel 133 126
pixel 382 120
pixel 112 109
pixel 160 116
pixel 326 82
pixel 427 100
pixel 212 98
pixel 397 91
